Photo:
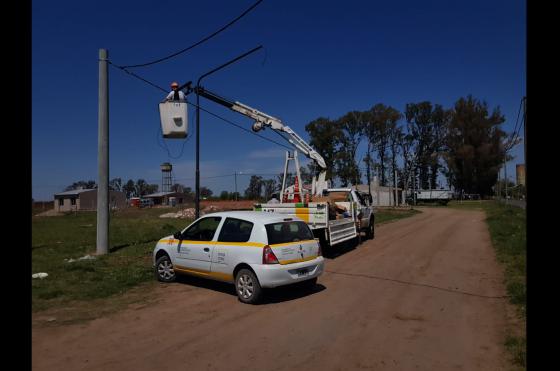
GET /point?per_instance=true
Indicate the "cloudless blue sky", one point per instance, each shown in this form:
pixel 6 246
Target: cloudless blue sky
pixel 320 58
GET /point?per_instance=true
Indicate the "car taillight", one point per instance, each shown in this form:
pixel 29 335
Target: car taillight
pixel 268 256
pixel 319 251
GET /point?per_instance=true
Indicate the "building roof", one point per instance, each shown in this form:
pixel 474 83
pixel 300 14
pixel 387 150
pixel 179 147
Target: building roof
pixel 74 192
pixel 160 194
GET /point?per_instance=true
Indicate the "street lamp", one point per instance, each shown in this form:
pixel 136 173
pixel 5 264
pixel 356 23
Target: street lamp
pixel 196 90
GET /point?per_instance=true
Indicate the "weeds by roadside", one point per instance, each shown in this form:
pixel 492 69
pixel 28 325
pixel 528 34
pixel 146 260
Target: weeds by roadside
pixel 508 231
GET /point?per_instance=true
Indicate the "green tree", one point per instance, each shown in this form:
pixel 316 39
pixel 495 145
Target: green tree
pixel 115 184
pixel 352 127
pixel 475 148
pixel 254 189
pixel 324 138
pixel 428 125
pixel 269 186
pixel 129 188
pixel 384 120
pixel 82 184
pixel 205 192
pixel 224 195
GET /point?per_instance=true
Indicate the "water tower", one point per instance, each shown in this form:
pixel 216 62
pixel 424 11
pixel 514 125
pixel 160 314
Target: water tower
pixel 166 177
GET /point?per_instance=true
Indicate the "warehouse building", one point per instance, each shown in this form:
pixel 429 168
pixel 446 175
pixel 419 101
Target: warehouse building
pixel 86 199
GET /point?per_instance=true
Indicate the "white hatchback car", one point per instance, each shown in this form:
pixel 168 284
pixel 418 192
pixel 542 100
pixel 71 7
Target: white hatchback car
pixel 252 249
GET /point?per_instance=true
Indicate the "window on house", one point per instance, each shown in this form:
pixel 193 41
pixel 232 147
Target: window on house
pixel 61 202
pixel 73 201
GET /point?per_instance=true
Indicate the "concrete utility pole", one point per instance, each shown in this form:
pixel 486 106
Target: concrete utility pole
pixel 103 156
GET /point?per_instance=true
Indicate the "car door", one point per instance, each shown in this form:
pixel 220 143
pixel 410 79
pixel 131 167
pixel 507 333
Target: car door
pixel 232 247
pixel 194 251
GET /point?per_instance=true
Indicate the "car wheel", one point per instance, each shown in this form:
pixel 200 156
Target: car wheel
pixel 164 269
pixel 247 286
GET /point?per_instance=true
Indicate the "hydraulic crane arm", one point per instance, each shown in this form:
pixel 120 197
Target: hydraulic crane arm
pixel 263 120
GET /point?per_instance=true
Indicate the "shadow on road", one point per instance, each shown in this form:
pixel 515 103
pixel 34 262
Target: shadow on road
pixel 342 248
pixel 270 296
pixel 222 287
pixel 287 293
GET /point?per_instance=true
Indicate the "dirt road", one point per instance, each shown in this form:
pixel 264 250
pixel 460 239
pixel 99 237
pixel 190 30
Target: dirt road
pixel 425 294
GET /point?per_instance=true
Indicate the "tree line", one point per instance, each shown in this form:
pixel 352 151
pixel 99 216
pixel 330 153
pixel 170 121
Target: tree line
pixel 464 143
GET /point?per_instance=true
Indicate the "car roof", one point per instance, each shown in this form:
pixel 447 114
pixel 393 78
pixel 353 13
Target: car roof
pixel 254 216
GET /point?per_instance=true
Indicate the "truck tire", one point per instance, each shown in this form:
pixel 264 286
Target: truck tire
pixel 370 230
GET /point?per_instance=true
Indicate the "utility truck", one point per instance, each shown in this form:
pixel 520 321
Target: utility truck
pixel 334 215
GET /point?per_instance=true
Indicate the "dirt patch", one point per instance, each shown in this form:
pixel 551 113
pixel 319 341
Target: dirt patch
pixel 228 205
pixel 386 313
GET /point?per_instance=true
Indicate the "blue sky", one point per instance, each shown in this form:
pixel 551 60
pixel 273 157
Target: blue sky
pixel 320 58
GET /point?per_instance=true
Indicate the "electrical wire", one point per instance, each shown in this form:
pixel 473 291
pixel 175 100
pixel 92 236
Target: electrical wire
pixel 516 130
pixel 242 128
pixel 197 43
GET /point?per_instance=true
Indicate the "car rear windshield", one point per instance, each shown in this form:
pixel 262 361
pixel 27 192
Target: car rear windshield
pixel 284 232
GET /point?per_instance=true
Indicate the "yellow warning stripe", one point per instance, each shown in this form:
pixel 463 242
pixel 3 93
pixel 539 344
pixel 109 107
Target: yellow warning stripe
pixel 292 243
pixel 284 262
pixel 253 244
pixel 204 273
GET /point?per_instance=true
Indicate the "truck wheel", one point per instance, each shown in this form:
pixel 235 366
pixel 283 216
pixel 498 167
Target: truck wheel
pixel 370 231
pixel 164 269
pixel 247 287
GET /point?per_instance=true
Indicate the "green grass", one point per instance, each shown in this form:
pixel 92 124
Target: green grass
pixel 388 215
pixel 132 235
pixel 507 226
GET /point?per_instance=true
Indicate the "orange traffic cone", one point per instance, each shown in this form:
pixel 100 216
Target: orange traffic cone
pixel 296 191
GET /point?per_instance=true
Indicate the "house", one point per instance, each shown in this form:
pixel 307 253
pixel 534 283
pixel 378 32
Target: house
pixel 382 196
pixel 85 199
pixel 167 198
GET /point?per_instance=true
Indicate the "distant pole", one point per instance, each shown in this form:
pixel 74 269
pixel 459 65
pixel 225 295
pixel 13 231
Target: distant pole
pixel 235 185
pixel 103 157
pixel 197 184
pixel 505 177
pixel 525 141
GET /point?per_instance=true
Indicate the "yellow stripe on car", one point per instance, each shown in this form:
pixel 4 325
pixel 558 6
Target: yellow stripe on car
pixel 204 273
pixel 253 244
pixel 284 262
pixel 292 243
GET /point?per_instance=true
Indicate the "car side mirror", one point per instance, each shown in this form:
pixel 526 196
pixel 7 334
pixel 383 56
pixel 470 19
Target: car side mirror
pixel 178 235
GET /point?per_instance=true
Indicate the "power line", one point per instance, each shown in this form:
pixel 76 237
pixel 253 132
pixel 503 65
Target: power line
pixel 138 77
pixel 241 127
pixel 516 129
pixel 197 43
pixel 203 109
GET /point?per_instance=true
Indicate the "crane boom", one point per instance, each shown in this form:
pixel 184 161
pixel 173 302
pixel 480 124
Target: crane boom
pixel 263 120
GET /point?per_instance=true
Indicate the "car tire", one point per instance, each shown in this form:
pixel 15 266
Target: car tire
pixel 164 269
pixel 247 287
